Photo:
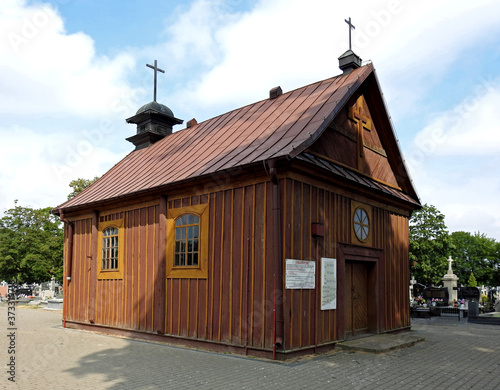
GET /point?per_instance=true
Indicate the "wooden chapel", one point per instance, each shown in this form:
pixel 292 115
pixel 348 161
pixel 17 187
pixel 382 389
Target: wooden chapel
pixel 187 240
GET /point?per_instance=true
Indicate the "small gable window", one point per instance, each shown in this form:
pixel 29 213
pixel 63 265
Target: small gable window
pixel 361 224
pixel 187 242
pixel 110 252
pixel 187 234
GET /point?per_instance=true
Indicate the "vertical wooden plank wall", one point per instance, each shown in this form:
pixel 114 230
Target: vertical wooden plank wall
pixel 397 273
pixel 129 302
pixel 77 294
pixel 304 320
pixel 234 305
pixel 305 323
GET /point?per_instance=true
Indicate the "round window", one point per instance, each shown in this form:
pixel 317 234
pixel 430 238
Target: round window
pixel 361 224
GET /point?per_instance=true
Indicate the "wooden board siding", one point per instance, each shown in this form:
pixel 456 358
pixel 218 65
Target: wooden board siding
pixel 339 143
pixel 125 303
pixel 77 296
pixel 234 304
pixel 397 273
pixel 304 321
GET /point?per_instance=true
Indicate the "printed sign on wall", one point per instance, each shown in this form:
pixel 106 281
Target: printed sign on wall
pixel 300 274
pixel 328 284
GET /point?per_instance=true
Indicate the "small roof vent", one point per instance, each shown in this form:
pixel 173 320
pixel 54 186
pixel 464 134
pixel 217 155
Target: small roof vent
pixel 275 92
pixel 191 123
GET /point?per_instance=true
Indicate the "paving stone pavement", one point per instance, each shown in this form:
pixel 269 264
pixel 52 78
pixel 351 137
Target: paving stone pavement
pixel 455 355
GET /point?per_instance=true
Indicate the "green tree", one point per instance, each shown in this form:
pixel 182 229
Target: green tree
pixel 472 280
pixel 495 274
pixel 78 185
pixel 31 245
pixel 476 253
pixel 429 245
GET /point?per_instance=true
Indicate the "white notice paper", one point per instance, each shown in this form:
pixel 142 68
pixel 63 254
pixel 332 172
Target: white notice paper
pixel 328 284
pixel 300 274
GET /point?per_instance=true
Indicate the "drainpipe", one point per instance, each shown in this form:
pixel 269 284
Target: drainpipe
pixel 278 329
pixel 69 257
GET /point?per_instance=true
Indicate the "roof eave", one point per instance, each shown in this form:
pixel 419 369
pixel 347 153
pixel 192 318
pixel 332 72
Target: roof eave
pixel 410 188
pixel 161 189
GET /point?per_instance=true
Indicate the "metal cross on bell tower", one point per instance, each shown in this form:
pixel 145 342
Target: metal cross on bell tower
pixel 351 27
pixel 156 70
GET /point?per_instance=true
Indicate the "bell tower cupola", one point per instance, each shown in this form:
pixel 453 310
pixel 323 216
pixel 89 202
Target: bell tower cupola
pixel 154 120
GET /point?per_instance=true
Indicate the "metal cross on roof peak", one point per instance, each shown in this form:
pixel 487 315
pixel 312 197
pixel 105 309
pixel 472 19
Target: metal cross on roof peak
pixel 156 69
pixel 351 27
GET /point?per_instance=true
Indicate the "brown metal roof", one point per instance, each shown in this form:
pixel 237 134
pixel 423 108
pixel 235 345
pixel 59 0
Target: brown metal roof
pixel 267 129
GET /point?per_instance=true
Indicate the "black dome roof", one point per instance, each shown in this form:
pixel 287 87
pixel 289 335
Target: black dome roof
pixel 155 106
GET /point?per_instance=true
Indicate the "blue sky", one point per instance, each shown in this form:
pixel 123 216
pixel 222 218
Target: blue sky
pixel 72 71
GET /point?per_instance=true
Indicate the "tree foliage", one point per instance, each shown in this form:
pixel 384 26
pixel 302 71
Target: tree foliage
pixel 478 254
pixel 32 241
pixel 78 185
pixel 429 245
pixel 31 245
pixel 476 257
pixel 472 280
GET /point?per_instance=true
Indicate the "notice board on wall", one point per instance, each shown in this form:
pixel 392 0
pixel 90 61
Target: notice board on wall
pixel 300 274
pixel 328 283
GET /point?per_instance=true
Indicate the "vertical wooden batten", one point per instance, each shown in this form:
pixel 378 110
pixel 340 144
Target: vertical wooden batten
pixel 68 256
pixel 160 272
pixel 93 267
pixel 278 322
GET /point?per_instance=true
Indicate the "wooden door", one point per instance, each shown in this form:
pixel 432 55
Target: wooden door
pixel 356 298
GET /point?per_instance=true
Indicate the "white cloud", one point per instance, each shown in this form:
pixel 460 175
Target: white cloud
pixel 288 43
pixel 466 192
pixel 218 58
pixel 470 128
pixel 54 88
pixel 46 70
pixel 421 44
pixel 194 36
pixel 37 167
pixel 277 43
pixel 454 161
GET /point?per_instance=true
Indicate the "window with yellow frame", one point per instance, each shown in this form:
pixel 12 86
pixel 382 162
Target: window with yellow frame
pixel 187 242
pixel 110 250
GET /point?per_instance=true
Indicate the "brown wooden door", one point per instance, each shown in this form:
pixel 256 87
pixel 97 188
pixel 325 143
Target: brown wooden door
pixel 356 293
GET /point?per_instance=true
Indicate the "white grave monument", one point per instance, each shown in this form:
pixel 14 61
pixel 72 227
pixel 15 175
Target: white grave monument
pixel 412 282
pixel 450 280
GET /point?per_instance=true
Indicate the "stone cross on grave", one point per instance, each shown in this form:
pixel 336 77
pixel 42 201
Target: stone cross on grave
pixel 450 271
pixel 362 123
pixel 156 69
pixel 351 27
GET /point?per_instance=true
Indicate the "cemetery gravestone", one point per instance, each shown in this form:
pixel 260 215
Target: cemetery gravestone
pixel 418 289
pixel 473 309
pixel 469 293
pixel 439 294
